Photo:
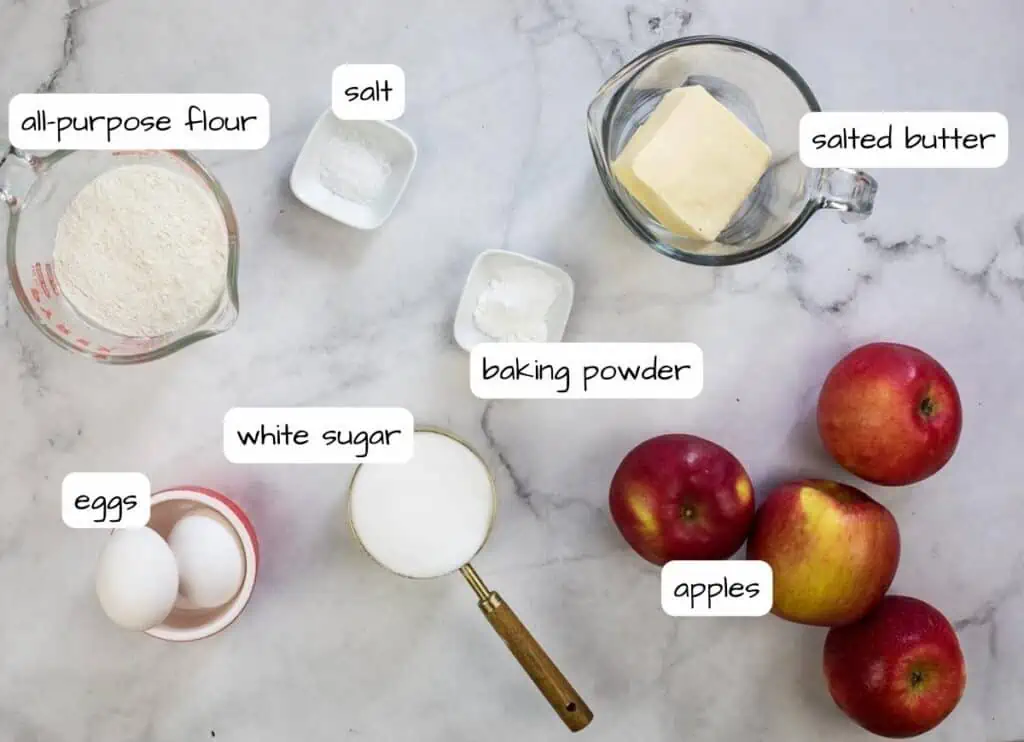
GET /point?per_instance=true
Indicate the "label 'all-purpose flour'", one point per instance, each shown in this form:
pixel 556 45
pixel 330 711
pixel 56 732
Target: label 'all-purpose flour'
pixel 142 251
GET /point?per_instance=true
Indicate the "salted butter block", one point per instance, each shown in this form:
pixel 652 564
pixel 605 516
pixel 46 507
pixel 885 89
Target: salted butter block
pixel 692 163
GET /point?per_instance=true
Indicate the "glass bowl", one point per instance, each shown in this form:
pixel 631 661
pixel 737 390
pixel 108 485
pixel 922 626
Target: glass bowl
pixel 770 97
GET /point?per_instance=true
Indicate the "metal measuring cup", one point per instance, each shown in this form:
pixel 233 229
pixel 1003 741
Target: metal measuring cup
pixel 549 680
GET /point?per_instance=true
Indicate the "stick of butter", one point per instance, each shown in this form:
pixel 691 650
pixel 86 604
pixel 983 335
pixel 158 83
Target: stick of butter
pixel 692 163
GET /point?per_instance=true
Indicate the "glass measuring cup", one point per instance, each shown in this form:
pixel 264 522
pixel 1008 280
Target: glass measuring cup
pixel 36 191
pixel 770 97
pixel 559 693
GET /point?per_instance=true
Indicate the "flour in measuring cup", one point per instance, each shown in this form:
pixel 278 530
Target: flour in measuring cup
pixel 142 251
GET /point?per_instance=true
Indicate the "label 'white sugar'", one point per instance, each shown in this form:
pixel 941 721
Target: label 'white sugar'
pixel 318 435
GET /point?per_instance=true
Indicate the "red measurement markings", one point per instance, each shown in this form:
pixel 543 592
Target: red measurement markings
pixel 37 272
pixel 52 279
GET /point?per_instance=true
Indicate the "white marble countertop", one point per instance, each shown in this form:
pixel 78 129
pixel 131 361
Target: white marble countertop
pixel 331 647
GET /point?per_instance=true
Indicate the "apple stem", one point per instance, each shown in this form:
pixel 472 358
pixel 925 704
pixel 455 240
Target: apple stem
pixel 927 407
pixel 689 512
pixel 916 678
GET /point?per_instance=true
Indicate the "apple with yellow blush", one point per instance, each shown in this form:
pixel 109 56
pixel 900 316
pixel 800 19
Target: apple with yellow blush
pixel 681 497
pixel 833 551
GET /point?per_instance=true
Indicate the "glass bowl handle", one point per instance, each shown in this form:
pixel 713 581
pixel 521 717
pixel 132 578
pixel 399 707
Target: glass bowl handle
pixel 850 192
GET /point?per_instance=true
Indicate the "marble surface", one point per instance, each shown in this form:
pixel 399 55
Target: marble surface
pixel 332 648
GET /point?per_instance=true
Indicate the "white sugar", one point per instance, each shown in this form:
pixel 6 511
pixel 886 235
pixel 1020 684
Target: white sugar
pixel 427 517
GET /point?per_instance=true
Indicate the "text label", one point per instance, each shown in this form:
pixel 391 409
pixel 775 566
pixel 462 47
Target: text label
pixel 586 370
pixel 60 121
pixel 717 588
pixel 904 140
pixel 105 500
pixel 318 435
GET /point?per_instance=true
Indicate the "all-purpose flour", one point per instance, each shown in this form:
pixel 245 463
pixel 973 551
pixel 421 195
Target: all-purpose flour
pixel 142 251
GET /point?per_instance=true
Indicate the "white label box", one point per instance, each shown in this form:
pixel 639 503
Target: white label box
pixel 368 92
pixel 921 139
pixel 732 587
pixel 105 500
pixel 586 370
pixel 318 435
pixel 88 121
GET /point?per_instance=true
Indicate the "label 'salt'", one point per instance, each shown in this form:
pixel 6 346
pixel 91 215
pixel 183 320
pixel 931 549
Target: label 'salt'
pixel 368 92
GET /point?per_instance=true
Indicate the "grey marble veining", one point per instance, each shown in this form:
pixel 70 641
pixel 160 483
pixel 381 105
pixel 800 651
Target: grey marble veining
pixel 331 648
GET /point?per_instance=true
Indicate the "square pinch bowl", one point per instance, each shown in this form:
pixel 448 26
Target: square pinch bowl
pixel 397 146
pixel 167 508
pixel 488 266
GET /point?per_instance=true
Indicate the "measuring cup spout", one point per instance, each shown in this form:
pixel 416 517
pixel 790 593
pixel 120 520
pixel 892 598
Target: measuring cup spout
pixel 227 312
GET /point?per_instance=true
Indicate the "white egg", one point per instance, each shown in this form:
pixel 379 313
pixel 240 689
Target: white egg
pixel 137 579
pixel 210 559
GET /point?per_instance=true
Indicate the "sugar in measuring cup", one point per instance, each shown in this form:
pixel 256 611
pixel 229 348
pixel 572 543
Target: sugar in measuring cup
pixel 428 518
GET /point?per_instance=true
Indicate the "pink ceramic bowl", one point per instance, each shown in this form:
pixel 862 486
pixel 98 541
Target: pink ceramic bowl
pixel 169 506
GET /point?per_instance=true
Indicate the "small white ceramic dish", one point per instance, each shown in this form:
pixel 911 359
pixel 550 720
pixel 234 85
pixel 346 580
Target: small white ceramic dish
pixel 488 266
pixel 396 146
pixel 167 508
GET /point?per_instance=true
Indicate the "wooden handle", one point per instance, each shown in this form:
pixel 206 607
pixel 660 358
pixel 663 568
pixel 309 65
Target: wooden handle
pixel 549 680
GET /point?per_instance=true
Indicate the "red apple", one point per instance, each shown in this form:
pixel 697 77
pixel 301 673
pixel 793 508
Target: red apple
pixel 899 672
pixel 682 497
pixel 890 414
pixel 833 551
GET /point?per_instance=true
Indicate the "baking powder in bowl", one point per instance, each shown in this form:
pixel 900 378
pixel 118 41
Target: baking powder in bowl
pixel 142 251
pixel 429 516
pixel 515 304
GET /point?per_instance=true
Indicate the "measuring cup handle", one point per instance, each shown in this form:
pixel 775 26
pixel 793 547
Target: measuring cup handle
pixel 850 192
pixel 17 173
pixel 549 680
